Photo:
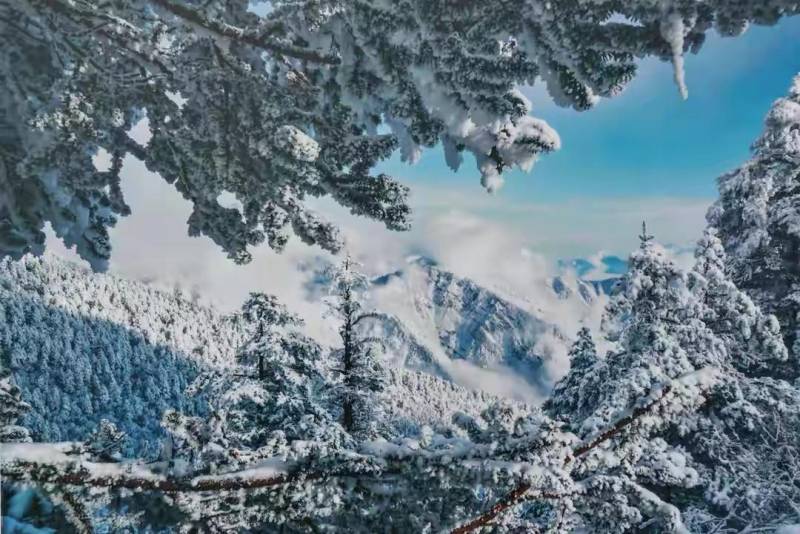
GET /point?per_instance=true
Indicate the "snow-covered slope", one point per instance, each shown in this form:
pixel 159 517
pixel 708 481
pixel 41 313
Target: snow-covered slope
pixel 85 346
pixel 417 399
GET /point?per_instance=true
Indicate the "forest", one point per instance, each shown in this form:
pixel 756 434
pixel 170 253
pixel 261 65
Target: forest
pixel 128 408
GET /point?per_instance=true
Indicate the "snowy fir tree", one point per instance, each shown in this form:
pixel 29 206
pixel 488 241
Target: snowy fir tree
pixel 359 367
pixel 280 108
pixel 573 394
pixel 105 443
pixel 752 339
pixel 12 408
pixel 749 428
pixel 264 315
pixel 757 218
pixel 718 463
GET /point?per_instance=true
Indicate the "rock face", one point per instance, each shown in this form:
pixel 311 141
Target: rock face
pixel 436 321
pixel 758 217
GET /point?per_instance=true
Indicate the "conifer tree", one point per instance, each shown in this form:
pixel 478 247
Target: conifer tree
pixel 574 393
pixel 12 408
pixel 752 339
pixel 105 443
pixel 655 329
pixel 758 219
pixel 666 323
pixel 360 369
pixel 265 317
pixel 288 395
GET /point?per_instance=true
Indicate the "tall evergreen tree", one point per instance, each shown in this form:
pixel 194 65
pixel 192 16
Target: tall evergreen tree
pixel 758 218
pixel 265 317
pixel 752 339
pixel 746 435
pixel 719 464
pixel 362 376
pixel 575 393
pixel 12 408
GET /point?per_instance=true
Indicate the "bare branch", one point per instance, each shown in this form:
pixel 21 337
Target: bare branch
pixel 521 492
pixel 511 499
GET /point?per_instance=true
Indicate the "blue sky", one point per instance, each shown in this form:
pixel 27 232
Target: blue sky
pixel 648 142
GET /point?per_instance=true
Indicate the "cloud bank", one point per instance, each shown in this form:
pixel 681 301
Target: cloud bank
pixel 510 247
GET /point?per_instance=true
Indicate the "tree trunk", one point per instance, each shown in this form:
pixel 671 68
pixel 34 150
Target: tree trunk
pixel 347 369
pixel 348 417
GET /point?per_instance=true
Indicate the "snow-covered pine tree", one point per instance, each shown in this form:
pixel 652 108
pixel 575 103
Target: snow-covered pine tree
pixel 758 218
pixel 657 337
pixel 105 443
pixel 752 339
pixel 264 315
pixel 278 108
pixel 359 367
pixel 575 393
pixel 746 439
pixel 291 403
pixel 656 322
pixel 288 400
pixel 720 464
pixel 12 409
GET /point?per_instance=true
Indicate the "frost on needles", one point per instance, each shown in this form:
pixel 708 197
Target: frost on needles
pixel 759 219
pixel 280 109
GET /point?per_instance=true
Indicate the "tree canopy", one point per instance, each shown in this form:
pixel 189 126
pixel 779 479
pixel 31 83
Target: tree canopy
pixel 299 103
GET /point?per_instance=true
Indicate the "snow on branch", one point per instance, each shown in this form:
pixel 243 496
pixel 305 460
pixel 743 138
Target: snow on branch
pixel 52 463
pixel 701 379
pixel 253 38
pixel 64 464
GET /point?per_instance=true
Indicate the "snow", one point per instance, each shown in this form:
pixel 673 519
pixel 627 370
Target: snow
pixel 672 30
pixel 265 469
pixel 63 455
pixel 300 145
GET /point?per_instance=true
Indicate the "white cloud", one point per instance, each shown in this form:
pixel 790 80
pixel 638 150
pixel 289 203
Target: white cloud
pixel 508 246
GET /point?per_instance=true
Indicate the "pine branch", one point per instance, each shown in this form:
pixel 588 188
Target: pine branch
pixel 76 513
pixel 252 38
pixel 511 499
pixel 257 38
pixel 618 427
pixel 50 463
pixel 93 475
pixel 521 492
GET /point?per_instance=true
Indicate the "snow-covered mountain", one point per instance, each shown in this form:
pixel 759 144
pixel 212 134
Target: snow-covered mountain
pixel 591 277
pixel 84 346
pixel 449 326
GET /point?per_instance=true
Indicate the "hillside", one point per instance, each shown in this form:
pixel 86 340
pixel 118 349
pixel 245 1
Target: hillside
pixel 85 346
